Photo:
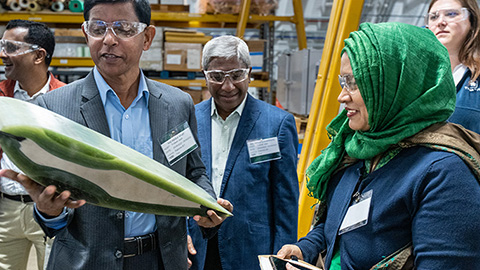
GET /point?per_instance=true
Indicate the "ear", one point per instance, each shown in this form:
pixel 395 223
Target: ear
pixel 205 76
pixel 85 34
pixel 149 34
pixel 40 56
pixel 250 75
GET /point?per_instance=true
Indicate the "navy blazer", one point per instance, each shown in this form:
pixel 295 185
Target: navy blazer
pixel 467 107
pixel 422 196
pixel 264 195
pixel 94 236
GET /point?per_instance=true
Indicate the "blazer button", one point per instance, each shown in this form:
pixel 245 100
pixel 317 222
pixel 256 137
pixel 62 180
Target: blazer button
pixel 120 215
pixel 118 254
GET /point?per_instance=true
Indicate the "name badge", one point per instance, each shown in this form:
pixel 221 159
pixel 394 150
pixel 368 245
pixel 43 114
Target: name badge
pixel 178 143
pixel 357 213
pixel 263 150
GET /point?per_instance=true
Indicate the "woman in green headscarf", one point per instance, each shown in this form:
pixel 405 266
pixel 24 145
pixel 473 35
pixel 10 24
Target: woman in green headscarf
pixel 397 186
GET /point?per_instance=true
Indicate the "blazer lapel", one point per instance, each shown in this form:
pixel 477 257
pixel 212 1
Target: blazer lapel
pixel 204 127
pixel 249 117
pixel 91 107
pixel 158 112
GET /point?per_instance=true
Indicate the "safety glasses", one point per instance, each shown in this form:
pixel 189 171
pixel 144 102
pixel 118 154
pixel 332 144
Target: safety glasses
pixel 121 29
pixel 219 76
pixel 14 48
pixel 348 82
pixel 448 15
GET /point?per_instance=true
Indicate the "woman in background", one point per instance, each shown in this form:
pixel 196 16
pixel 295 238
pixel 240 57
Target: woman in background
pixel 456 25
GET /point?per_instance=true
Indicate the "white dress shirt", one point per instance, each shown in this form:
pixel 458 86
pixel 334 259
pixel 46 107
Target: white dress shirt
pixel 223 132
pixel 458 73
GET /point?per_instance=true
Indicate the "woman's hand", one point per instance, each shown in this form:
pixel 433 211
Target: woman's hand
pixel 287 251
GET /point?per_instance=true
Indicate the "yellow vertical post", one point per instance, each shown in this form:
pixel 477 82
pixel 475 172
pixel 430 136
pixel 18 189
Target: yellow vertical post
pixel 344 18
pixel 299 24
pixel 243 18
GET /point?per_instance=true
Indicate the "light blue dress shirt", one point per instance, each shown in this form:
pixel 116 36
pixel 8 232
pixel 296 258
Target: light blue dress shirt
pixel 130 127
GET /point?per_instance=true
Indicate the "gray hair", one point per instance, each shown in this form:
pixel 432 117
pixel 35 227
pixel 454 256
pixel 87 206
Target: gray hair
pixel 226 47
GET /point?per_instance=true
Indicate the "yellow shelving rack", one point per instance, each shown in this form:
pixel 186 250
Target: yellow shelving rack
pixel 176 19
pixel 344 18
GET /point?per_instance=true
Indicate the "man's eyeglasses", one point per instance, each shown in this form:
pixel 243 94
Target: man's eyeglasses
pixel 348 82
pixel 448 15
pixel 14 48
pixel 219 76
pixel 121 29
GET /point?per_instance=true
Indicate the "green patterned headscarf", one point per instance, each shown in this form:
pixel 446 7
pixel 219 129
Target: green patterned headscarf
pixel 404 76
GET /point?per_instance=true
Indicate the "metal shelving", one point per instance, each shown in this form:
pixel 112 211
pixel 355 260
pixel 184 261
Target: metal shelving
pixel 175 19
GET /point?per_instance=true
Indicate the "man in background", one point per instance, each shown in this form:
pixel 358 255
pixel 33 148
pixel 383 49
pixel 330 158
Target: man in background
pixel 250 150
pixel 26 50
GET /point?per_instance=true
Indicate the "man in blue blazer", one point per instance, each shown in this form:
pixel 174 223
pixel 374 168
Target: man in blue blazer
pixel 249 148
pixel 117 100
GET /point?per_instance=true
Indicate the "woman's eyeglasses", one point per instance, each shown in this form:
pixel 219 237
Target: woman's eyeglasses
pixel 448 15
pixel 348 82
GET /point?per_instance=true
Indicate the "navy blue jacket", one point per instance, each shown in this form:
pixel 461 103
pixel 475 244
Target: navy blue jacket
pixel 467 109
pixel 264 195
pixel 427 197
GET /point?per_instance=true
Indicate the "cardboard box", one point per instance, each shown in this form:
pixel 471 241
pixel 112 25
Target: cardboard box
pixel 59 32
pixel 256 48
pixel 195 94
pixel 182 56
pixel 172 2
pixel 260 7
pixel 152 59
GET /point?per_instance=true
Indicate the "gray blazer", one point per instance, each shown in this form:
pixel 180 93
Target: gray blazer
pixel 93 237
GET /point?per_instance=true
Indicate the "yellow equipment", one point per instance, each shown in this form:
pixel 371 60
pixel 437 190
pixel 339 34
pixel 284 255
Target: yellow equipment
pixel 344 18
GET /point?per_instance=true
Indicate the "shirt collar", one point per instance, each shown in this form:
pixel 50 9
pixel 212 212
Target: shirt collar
pixel 104 88
pixel 238 110
pixel 458 73
pixel 42 91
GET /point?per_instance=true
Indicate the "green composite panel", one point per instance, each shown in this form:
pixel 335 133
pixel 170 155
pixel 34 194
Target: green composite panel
pixel 53 150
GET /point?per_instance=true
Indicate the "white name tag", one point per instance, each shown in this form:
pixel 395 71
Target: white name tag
pixel 357 214
pixel 178 143
pixel 263 150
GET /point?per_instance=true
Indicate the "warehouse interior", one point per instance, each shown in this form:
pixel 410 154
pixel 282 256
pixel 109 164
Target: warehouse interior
pixel 272 40
pixel 286 62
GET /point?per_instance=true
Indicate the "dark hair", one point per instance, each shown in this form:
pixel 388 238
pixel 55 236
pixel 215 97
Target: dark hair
pixel 39 34
pixel 469 53
pixel 142 8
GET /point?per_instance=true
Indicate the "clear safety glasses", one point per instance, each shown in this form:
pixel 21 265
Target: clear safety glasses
pixel 14 48
pixel 121 29
pixel 447 15
pixel 219 76
pixel 348 82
